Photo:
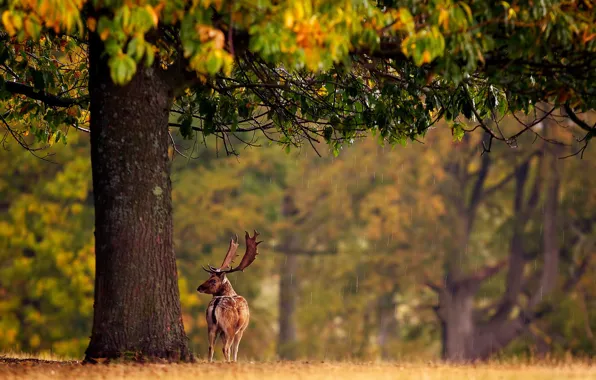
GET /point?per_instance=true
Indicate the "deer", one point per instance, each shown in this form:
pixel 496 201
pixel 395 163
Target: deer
pixel 228 314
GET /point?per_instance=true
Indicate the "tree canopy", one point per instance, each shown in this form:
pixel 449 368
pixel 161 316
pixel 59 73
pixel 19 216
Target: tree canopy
pixel 307 70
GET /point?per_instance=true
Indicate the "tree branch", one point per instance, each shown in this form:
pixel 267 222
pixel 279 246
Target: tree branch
pixel 49 99
pixel 580 123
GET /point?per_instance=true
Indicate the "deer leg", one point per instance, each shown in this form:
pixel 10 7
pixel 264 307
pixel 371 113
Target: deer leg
pixel 212 338
pixel 227 343
pixel 236 343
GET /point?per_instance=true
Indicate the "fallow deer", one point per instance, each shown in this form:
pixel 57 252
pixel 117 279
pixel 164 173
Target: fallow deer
pixel 227 313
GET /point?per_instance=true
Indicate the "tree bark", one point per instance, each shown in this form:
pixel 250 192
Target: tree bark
pixel 137 313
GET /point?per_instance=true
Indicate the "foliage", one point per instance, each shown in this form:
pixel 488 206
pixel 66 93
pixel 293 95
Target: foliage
pixel 373 222
pixel 46 250
pixel 307 70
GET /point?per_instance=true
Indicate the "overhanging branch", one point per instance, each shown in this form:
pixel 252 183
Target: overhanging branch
pixel 49 99
pixel 580 123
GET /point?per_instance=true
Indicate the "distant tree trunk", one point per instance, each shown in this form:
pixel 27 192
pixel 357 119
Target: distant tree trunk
pixel 387 323
pixel 137 311
pixel 501 329
pixel 457 308
pixel 456 299
pixel 470 333
pixel 288 291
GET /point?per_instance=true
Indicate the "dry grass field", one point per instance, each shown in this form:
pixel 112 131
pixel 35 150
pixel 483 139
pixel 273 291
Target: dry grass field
pixel 22 367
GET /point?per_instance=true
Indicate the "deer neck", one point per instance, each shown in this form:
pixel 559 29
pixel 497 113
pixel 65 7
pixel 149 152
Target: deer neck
pixel 225 289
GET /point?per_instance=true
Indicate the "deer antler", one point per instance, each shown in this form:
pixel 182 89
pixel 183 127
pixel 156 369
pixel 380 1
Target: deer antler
pixel 231 255
pixel 250 255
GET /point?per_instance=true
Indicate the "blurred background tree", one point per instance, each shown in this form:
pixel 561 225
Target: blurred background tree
pixel 360 246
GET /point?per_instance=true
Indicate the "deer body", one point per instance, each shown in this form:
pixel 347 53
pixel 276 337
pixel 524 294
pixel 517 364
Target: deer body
pixel 227 317
pixel 227 314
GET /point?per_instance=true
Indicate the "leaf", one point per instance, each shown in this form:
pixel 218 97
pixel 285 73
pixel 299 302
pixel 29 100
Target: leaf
pixel 91 24
pixel 457 131
pixel 153 14
pixel 407 20
pixel 8 23
pixel 328 133
pixel 122 68
pixel 186 126
pixel 149 57
pixel 213 63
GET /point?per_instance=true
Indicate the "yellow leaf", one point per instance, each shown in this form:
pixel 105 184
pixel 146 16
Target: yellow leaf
pixel 29 28
pixel 104 34
pixel 288 19
pixel 6 20
pixel 153 14
pixel 444 18
pixel 404 45
pixel 299 10
pixel 426 58
pixel 322 91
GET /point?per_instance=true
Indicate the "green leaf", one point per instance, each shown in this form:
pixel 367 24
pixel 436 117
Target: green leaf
pixel 213 64
pixel 457 131
pixel 122 68
pixel 186 126
pixel 328 133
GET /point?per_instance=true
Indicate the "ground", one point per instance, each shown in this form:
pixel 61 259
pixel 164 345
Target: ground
pixel 33 368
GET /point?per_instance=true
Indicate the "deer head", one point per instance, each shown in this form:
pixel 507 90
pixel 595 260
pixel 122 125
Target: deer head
pixel 218 275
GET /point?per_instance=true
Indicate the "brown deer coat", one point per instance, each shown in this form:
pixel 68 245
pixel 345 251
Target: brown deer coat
pixel 227 314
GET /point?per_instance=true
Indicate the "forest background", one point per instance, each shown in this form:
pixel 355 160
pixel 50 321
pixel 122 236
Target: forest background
pixel 356 245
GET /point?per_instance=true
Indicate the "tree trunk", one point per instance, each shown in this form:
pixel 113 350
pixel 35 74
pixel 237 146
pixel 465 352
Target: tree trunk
pixel 456 300
pixel 456 311
pixel 137 313
pixel 387 323
pixel 468 336
pixel 288 290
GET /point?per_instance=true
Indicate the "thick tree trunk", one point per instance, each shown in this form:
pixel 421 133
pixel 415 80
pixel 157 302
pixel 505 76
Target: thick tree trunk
pixel 137 311
pixel 288 291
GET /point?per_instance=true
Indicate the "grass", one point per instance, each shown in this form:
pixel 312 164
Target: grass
pixel 33 368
